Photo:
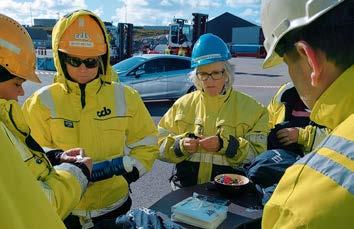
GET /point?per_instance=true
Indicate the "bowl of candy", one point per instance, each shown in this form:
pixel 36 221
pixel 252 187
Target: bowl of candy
pixel 230 183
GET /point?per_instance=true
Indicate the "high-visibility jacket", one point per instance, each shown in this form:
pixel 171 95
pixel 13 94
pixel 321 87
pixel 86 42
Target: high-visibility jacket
pixel 63 184
pixel 240 121
pixel 286 105
pixel 23 203
pixel 318 190
pixel 105 118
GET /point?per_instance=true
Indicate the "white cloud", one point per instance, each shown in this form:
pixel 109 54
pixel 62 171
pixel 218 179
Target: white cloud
pixel 249 13
pixel 141 15
pixel 98 11
pixel 200 4
pixel 193 3
pixel 23 11
pixel 165 3
pixel 236 3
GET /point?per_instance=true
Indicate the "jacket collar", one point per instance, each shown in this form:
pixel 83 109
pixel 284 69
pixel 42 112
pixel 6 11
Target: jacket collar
pixel 91 88
pixel 336 103
pixel 221 97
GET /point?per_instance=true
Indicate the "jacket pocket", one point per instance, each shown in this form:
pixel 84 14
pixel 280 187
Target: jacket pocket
pixel 64 133
pixel 184 124
pixel 227 128
pixel 112 136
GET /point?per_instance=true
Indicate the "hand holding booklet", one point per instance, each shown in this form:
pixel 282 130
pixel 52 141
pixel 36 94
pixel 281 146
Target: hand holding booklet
pixel 200 211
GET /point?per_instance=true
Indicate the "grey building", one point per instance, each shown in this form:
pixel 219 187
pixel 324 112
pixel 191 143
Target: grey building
pixel 44 22
pixel 222 26
pixel 40 37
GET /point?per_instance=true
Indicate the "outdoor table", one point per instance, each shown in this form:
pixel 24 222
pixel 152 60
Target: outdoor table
pixel 244 210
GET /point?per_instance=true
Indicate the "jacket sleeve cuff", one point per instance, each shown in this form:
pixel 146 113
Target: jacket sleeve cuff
pixel 303 137
pixel 230 146
pixel 178 147
pixel 54 156
pixel 76 172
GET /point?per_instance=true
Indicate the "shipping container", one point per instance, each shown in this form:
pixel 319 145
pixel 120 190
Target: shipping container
pixel 247 41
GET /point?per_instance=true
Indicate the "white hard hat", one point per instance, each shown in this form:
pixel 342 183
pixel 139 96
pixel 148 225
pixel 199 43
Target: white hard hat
pixel 278 17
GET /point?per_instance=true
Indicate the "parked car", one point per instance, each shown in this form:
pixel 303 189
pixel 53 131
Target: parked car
pixel 156 76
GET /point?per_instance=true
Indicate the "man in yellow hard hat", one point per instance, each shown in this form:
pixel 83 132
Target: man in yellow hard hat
pixel 20 184
pixel 315 38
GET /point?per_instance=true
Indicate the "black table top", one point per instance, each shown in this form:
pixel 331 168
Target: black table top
pixel 244 208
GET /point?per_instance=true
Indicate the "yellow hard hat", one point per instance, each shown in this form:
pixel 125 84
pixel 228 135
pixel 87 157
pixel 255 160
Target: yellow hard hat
pixel 279 17
pixel 84 37
pixel 17 53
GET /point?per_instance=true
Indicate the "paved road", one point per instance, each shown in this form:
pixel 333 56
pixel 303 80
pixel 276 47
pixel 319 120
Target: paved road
pixel 249 78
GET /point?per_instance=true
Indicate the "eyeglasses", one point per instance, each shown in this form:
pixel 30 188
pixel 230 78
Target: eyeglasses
pixel 76 62
pixel 216 75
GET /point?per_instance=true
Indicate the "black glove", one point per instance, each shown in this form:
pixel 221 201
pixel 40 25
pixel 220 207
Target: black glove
pixel 132 176
pixel 54 156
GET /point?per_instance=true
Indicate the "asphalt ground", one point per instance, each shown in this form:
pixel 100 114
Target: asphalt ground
pixel 250 78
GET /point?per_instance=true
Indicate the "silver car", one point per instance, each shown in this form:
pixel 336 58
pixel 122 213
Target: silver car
pixel 156 76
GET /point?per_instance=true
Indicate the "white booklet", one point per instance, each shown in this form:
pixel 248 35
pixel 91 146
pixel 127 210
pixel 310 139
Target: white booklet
pixel 200 211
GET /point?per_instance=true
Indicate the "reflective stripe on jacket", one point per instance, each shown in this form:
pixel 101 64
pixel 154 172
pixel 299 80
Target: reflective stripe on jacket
pixel 234 116
pixel 23 204
pixel 112 122
pixel 63 184
pixel 310 135
pixel 318 191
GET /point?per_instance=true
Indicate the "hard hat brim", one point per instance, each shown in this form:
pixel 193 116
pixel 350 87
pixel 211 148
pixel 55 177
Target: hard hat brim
pixel 272 59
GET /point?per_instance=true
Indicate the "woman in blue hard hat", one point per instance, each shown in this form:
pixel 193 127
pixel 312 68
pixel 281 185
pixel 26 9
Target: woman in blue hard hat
pixel 215 129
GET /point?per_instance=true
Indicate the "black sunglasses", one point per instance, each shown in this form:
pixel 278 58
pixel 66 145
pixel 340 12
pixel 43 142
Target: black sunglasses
pixel 76 62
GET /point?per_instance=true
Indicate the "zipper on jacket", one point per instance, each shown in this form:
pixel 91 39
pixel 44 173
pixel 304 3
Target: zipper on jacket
pixel 83 94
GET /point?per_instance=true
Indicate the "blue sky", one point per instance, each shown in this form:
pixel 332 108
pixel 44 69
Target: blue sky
pixel 138 12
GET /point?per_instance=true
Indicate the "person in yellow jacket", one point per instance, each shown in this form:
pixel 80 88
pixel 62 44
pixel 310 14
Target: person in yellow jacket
pixel 64 183
pixel 289 120
pixel 85 108
pixel 315 39
pixel 23 203
pixel 215 129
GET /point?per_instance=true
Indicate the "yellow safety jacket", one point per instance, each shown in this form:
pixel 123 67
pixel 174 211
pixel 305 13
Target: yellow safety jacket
pixel 318 191
pixel 310 135
pixel 23 204
pixel 234 116
pixel 63 184
pixel 106 119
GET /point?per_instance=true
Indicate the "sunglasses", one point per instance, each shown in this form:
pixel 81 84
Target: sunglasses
pixel 76 62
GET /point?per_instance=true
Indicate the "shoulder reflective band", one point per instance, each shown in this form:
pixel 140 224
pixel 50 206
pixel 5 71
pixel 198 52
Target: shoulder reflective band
pixel 340 145
pixel 329 168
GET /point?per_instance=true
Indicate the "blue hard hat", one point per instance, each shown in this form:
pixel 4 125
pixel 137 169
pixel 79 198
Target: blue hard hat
pixel 208 49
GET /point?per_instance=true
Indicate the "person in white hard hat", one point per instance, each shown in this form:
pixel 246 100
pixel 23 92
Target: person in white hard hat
pixel 315 38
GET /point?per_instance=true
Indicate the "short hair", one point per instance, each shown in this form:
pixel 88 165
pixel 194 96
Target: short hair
pixel 332 33
pixel 229 75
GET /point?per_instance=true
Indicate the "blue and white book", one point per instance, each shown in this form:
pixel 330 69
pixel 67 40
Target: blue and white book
pixel 200 212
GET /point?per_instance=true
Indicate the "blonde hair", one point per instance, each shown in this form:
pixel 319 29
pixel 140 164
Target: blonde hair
pixel 228 74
